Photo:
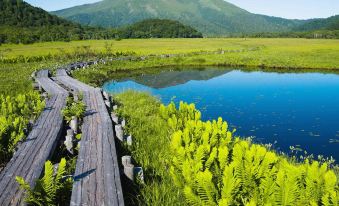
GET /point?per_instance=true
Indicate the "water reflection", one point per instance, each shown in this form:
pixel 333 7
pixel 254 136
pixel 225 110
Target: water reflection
pixel 287 108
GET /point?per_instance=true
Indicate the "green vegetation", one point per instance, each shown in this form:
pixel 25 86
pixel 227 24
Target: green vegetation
pixel 314 34
pixel 141 109
pixel 23 23
pixel 51 189
pixel 158 28
pixel 15 114
pixel 212 167
pixel 314 28
pixel 17 62
pixel 211 17
pixel 331 23
pixel 74 109
pixel 209 166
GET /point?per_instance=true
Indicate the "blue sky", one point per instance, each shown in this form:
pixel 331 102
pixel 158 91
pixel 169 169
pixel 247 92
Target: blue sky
pixel 293 9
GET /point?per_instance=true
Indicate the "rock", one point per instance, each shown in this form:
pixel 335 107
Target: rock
pixel 119 132
pixel 74 124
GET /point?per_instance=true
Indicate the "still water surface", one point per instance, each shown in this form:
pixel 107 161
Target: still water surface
pixel 286 109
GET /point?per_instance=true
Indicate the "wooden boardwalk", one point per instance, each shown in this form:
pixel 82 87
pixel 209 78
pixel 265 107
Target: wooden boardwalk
pixel 97 176
pixel 28 162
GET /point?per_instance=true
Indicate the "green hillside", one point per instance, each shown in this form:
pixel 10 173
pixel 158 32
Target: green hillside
pixel 158 28
pixel 22 23
pixel 211 17
pixel 331 23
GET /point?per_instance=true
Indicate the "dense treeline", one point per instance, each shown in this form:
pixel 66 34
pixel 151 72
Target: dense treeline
pixel 159 28
pixel 29 35
pixel 319 34
pixel 331 23
pixel 23 23
pixel 313 29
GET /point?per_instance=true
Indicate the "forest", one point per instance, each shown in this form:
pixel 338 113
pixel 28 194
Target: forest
pixel 158 28
pixel 22 23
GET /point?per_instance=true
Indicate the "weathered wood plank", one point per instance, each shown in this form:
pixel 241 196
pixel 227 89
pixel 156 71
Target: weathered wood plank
pixel 98 177
pixel 28 161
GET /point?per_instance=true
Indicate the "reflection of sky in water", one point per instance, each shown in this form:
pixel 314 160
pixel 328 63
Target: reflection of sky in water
pixel 292 109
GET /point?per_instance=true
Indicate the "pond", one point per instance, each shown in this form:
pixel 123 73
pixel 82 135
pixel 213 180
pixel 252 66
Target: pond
pixel 285 109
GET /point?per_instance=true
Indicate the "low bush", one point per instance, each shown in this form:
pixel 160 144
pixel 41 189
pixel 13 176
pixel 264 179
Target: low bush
pixel 15 114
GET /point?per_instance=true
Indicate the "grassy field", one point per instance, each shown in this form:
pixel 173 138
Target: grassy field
pixel 176 46
pixel 264 53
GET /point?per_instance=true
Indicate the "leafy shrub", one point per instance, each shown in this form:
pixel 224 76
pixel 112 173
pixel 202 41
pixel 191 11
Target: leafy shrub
pixel 51 189
pixel 74 109
pixel 212 167
pixel 15 114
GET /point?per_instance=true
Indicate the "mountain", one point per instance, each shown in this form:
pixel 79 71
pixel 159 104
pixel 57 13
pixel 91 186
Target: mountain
pixel 22 23
pixel 158 28
pixel 211 17
pixel 176 77
pixel 331 23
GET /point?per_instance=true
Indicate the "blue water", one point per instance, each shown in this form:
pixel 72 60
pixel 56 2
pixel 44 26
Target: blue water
pixel 285 109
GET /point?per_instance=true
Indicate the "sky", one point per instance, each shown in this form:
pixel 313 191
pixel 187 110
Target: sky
pixel 292 9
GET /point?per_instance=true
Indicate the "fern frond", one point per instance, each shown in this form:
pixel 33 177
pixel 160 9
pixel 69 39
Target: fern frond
pixel 48 182
pixel 191 198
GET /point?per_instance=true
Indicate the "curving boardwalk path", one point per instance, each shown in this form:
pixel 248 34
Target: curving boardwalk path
pixel 97 176
pixel 28 161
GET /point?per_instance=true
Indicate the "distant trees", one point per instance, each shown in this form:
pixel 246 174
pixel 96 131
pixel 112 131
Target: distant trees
pixel 23 23
pixel 318 34
pixel 159 28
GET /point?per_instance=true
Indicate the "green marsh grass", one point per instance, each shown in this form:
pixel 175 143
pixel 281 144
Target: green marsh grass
pixel 278 54
pixel 150 148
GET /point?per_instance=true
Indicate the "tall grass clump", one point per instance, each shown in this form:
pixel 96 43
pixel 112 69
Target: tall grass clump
pixel 150 149
pixel 191 162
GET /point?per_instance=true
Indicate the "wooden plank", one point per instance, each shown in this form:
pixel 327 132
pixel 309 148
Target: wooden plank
pixel 28 161
pixel 61 72
pixel 97 172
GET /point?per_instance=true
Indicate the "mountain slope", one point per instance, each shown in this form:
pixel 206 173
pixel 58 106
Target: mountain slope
pixel 22 23
pixel 211 17
pixel 331 23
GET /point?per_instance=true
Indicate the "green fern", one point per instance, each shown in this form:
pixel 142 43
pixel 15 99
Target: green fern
pixel 51 189
pixel 214 168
